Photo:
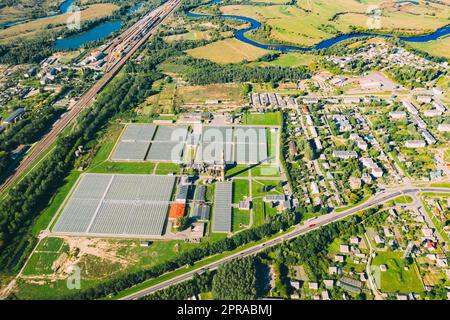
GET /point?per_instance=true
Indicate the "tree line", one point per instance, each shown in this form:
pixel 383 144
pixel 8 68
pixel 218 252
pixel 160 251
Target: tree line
pixel 187 258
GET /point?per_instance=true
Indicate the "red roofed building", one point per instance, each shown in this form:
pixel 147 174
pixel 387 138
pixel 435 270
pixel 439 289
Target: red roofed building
pixel 176 212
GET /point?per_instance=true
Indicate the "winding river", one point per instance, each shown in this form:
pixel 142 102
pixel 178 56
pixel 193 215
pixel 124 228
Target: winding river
pixel 254 24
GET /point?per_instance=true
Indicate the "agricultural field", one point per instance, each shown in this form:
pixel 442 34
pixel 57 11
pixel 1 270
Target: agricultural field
pixel 31 28
pixel 437 48
pixel 309 22
pixel 228 51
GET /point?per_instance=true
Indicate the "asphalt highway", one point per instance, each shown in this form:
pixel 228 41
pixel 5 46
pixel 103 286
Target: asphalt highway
pixel 298 230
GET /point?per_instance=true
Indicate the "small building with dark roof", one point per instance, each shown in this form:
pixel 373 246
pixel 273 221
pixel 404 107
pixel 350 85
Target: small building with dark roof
pixel 14 115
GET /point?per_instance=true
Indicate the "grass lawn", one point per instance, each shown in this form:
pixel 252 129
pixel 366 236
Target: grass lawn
pixel 353 205
pixel 55 203
pixel 240 190
pixel 50 244
pixel 268 119
pixel 396 278
pixel 403 200
pixel 124 167
pixel 239 218
pixel 166 168
pixel 238 171
pixel 441 185
pixel 258 184
pixel 265 171
pixel 42 259
pixel 41 263
pixel 228 51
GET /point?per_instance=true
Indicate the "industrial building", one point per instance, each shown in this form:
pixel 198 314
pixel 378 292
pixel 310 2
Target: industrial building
pixel 222 207
pixel 117 205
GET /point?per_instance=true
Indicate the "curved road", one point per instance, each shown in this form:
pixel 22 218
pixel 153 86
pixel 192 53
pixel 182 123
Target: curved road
pixel 298 230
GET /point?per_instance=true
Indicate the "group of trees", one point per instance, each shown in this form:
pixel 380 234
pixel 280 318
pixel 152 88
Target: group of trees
pixel 26 50
pixel 189 257
pixel 28 130
pixel 203 72
pixel 182 291
pixel 235 280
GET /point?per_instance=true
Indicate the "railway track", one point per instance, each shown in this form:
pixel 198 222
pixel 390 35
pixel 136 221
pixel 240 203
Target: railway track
pixel 134 38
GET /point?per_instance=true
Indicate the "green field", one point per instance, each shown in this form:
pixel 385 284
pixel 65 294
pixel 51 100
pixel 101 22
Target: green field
pixel 238 171
pixel 118 257
pixel 265 171
pixel 308 22
pixel 403 200
pixel 167 168
pixel 267 119
pixel 396 278
pixel 240 219
pixel 240 190
pixel 438 48
pixel 291 59
pixel 124 167
pixel 50 244
pixel 228 51
pixel 42 259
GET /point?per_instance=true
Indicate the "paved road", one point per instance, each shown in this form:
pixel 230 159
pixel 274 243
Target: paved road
pixel 299 230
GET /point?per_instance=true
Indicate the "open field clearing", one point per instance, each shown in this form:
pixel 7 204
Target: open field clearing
pixel 47 270
pixel 228 51
pixel 193 35
pixel 439 48
pixel 200 94
pixel 92 12
pixel 399 277
pixel 291 59
pixel 310 22
pixel 193 95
